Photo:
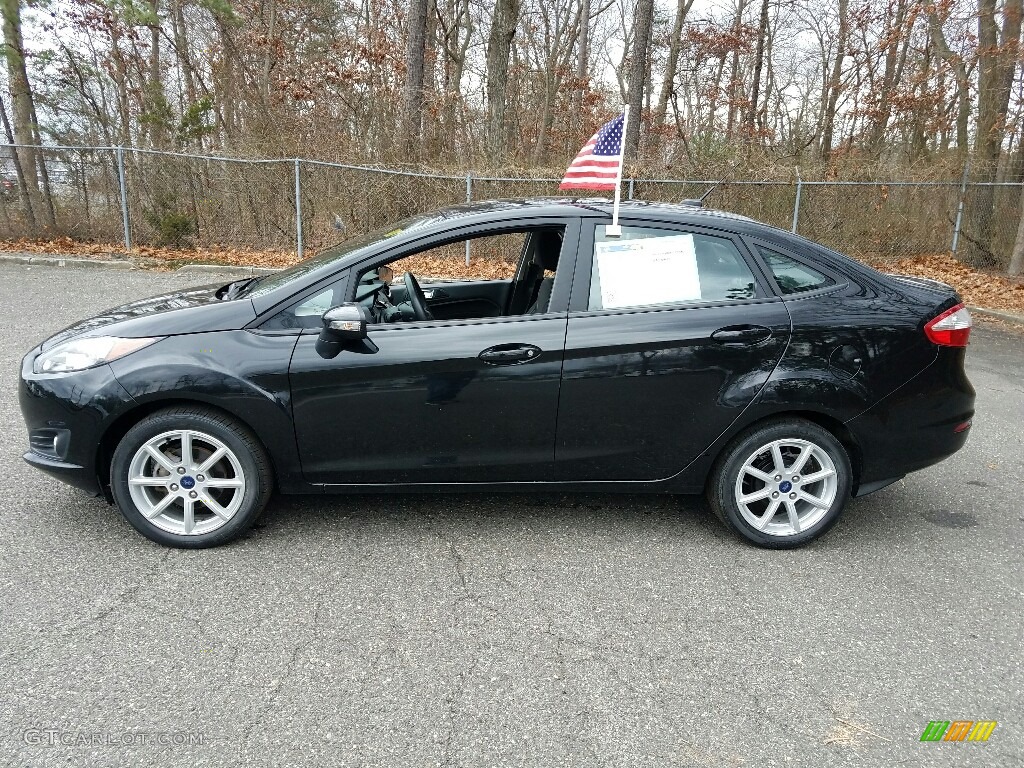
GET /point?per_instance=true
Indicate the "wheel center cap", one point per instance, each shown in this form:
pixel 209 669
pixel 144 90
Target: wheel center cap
pixel 785 486
pixel 188 482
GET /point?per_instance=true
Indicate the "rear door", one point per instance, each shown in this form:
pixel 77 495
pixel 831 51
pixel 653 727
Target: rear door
pixel 672 332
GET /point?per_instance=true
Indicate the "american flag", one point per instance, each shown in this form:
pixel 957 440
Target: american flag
pixel 597 164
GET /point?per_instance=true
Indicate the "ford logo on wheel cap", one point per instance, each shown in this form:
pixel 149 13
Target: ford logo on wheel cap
pixel 188 482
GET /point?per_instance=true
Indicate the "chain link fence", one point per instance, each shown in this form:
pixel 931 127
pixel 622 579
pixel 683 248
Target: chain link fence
pixel 149 197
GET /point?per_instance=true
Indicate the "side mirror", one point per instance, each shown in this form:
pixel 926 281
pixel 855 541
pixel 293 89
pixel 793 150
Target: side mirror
pixel 343 325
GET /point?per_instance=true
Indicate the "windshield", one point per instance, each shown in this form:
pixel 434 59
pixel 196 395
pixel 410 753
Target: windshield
pixel 337 252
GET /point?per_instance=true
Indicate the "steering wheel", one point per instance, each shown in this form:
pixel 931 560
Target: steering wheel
pixel 416 297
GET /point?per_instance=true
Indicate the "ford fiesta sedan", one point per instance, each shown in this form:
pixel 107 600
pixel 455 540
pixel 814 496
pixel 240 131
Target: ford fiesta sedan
pixel 692 351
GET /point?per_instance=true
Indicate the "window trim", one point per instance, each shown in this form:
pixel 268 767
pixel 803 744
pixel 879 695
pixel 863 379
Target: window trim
pixel 579 304
pixel 421 241
pixel 392 252
pixel 754 244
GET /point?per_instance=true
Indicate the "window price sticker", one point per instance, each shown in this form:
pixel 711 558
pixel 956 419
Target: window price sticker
pixel 652 270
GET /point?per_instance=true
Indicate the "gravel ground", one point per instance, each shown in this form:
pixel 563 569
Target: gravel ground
pixel 501 630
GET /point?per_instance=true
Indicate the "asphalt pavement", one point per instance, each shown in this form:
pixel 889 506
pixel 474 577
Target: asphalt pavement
pixel 508 630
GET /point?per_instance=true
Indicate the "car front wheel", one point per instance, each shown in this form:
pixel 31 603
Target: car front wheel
pixel 781 484
pixel 190 477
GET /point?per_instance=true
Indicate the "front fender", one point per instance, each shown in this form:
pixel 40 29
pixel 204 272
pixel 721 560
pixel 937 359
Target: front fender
pixel 244 373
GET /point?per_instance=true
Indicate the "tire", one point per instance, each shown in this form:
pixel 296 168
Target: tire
pixel 764 504
pixel 226 492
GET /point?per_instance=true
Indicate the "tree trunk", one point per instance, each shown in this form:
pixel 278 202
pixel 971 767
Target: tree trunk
pixel 499 45
pixel 26 199
pixel 835 82
pixel 413 93
pixel 181 50
pixel 734 71
pixel 582 66
pixel 638 67
pixel 895 59
pixel 963 89
pixel 672 64
pixel 1017 257
pixel 21 93
pixel 268 50
pixel 755 86
pixel 997 61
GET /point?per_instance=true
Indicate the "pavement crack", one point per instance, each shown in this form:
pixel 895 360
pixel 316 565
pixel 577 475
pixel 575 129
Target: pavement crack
pixel 448 754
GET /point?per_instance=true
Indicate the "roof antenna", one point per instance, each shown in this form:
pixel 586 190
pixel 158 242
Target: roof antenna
pixel 699 202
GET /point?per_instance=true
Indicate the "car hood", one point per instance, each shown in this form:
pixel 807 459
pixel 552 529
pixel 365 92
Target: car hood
pixel 195 310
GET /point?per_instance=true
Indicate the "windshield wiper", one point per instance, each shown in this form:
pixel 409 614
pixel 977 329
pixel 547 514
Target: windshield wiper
pixel 235 289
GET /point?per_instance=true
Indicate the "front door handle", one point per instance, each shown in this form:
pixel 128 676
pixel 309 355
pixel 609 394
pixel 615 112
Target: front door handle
pixel 737 335
pixel 510 354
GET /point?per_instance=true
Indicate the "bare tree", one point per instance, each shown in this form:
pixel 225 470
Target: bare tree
pixel 998 50
pixel 755 80
pixel 672 63
pixel 21 92
pixel 413 93
pixel 638 71
pixel 835 83
pixel 499 44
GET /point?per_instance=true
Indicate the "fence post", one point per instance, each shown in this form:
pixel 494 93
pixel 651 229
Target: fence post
pixel 796 205
pixel 298 209
pixel 630 196
pixel 126 223
pixel 960 207
pixel 469 199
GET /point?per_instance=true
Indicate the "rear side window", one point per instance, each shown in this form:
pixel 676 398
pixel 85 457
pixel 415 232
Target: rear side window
pixel 649 267
pixel 792 275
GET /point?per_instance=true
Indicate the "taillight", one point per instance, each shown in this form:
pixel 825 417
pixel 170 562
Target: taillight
pixel 951 328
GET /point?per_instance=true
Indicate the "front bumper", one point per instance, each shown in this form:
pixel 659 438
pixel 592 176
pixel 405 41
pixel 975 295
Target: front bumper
pixel 77 409
pixel 80 477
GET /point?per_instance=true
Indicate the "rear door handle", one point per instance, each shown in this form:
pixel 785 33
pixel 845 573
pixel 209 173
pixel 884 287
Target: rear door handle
pixel 510 354
pixel 741 334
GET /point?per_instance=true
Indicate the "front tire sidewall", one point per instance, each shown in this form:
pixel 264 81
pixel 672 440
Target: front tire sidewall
pixel 721 489
pixel 249 455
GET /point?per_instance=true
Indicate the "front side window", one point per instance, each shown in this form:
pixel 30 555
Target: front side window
pixel 649 267
pixel 488 275
pixel 792 275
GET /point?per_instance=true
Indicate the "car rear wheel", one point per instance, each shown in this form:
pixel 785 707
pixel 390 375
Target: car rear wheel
pixel 781 484
pixel 189 477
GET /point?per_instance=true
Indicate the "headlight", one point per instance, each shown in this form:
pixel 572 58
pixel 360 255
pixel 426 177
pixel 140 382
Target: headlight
pixel 79 354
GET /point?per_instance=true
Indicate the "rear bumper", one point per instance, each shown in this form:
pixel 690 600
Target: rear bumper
pixel 915 426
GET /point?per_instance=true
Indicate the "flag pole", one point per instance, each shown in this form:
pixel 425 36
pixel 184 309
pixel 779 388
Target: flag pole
pixel 615 230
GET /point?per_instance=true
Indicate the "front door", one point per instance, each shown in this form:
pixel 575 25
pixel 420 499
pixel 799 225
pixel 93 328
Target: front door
pixel 463 400
pixel 674 337
pixel 428 407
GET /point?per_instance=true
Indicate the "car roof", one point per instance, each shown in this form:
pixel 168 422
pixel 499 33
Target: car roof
pixel 594 206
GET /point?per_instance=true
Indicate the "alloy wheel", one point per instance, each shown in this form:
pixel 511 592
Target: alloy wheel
pixel 186 482
pixel 786 487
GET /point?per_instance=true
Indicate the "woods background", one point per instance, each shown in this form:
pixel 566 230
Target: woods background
pixel 846 90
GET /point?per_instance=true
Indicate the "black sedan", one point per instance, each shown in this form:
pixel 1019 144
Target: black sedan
pixel 692 351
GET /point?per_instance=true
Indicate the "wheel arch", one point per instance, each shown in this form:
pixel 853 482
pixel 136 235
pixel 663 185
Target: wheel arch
pixel 119 427
pixel 829 423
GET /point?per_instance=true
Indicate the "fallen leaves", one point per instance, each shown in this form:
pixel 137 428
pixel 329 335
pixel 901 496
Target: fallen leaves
pixel 151 256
